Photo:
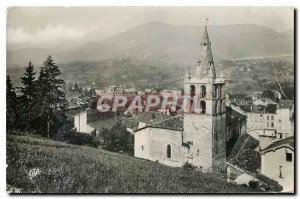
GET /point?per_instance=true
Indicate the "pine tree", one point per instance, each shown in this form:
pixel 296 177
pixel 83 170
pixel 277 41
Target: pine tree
pixel 11 105
pixel 50 97
pixel 28 97
pixel 41 107
pixel 76 87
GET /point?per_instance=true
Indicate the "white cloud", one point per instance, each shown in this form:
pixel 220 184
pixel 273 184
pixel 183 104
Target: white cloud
pixel 51 35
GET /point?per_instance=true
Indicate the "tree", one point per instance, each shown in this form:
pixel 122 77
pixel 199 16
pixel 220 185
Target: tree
pixel 117 138
pixel 76 88
pixel 50 96
pixel 28 97
pixel 269 94
pixel 11 105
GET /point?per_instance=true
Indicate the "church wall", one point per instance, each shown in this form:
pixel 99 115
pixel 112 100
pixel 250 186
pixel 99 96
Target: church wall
pixel 219 142
pixel 141 144
pixel 198 131
pixel 155 142
pixel 159 139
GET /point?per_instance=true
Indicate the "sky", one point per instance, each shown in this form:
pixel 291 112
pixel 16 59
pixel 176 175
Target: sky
pixel 44 26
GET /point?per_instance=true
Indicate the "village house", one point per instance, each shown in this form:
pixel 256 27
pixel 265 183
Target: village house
pixel 277 162
pixel 284 124
pixel 244 168
pixel 261 118
pixel 80 123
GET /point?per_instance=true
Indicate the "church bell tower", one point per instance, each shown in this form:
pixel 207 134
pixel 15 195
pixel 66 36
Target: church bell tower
pixel 204 114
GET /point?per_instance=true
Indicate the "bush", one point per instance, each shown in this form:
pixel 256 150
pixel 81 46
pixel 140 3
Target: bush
pixel 189 166
pixel 253 184
pixel 116 139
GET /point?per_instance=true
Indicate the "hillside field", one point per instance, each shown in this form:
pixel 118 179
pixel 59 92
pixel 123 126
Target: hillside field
pixel 40 165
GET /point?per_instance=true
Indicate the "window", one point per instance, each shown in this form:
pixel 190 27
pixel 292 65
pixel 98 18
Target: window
pixel 280 135
pixel 142 147
pixel 169 151
pixel 192 91
pixel 203 106
pixel 289 157
pixel 272 117
pixel 272 124
pixel 203 91
pixel 267 117
pixel 280 172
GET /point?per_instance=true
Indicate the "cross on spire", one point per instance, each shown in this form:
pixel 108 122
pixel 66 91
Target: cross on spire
pixel 206 20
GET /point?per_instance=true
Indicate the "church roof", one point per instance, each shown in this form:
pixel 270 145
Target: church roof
pixel 206 57
pixel 205 37
pixel 174 123
pixel 187 73
pixel 145 117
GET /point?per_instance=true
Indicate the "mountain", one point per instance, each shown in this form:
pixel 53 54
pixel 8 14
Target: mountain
pixel 167 43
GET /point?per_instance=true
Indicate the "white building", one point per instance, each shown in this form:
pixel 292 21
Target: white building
pixel 262 119
pixel 277 162
pixel 80 123
pixel 171 93
pixel 285 125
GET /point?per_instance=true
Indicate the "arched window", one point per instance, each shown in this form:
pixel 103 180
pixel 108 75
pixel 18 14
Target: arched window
pixel 192 91
pixel 203 91
pixel 203 106
pixel 142 147
pixel 169 151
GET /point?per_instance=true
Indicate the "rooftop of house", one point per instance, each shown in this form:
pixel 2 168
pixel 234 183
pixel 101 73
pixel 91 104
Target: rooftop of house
pixel 284 142
pixel 244 141
pixel 271 108
pixel 247 159
pixel 285 104
pixel 235 112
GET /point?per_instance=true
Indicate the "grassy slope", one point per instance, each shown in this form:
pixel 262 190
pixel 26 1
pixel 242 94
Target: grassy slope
pixel 70 168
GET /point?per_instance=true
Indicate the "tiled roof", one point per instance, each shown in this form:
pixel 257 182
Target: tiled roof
pixel 267 182
pixel 132 123
pixel 258 108
pixel 285 104
pixel 146 117
pixel 287 141
pixel 247 159
pixel 271 108
pixel 150 117
pixel 245 141
pixel 235 112
pixel 174 123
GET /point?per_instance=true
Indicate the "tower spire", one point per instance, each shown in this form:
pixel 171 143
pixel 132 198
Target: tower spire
pixel 206 62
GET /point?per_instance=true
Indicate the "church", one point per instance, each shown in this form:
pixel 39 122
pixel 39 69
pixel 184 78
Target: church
pixel 198 136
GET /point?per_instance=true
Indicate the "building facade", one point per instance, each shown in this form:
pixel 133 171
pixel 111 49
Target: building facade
pixel 277 162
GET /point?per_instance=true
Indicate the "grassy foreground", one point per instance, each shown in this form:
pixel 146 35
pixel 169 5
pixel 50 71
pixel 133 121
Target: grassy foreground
pixel 41 165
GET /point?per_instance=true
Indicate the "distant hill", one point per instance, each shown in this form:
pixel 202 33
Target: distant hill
pixel 66 168
pixel 167 43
